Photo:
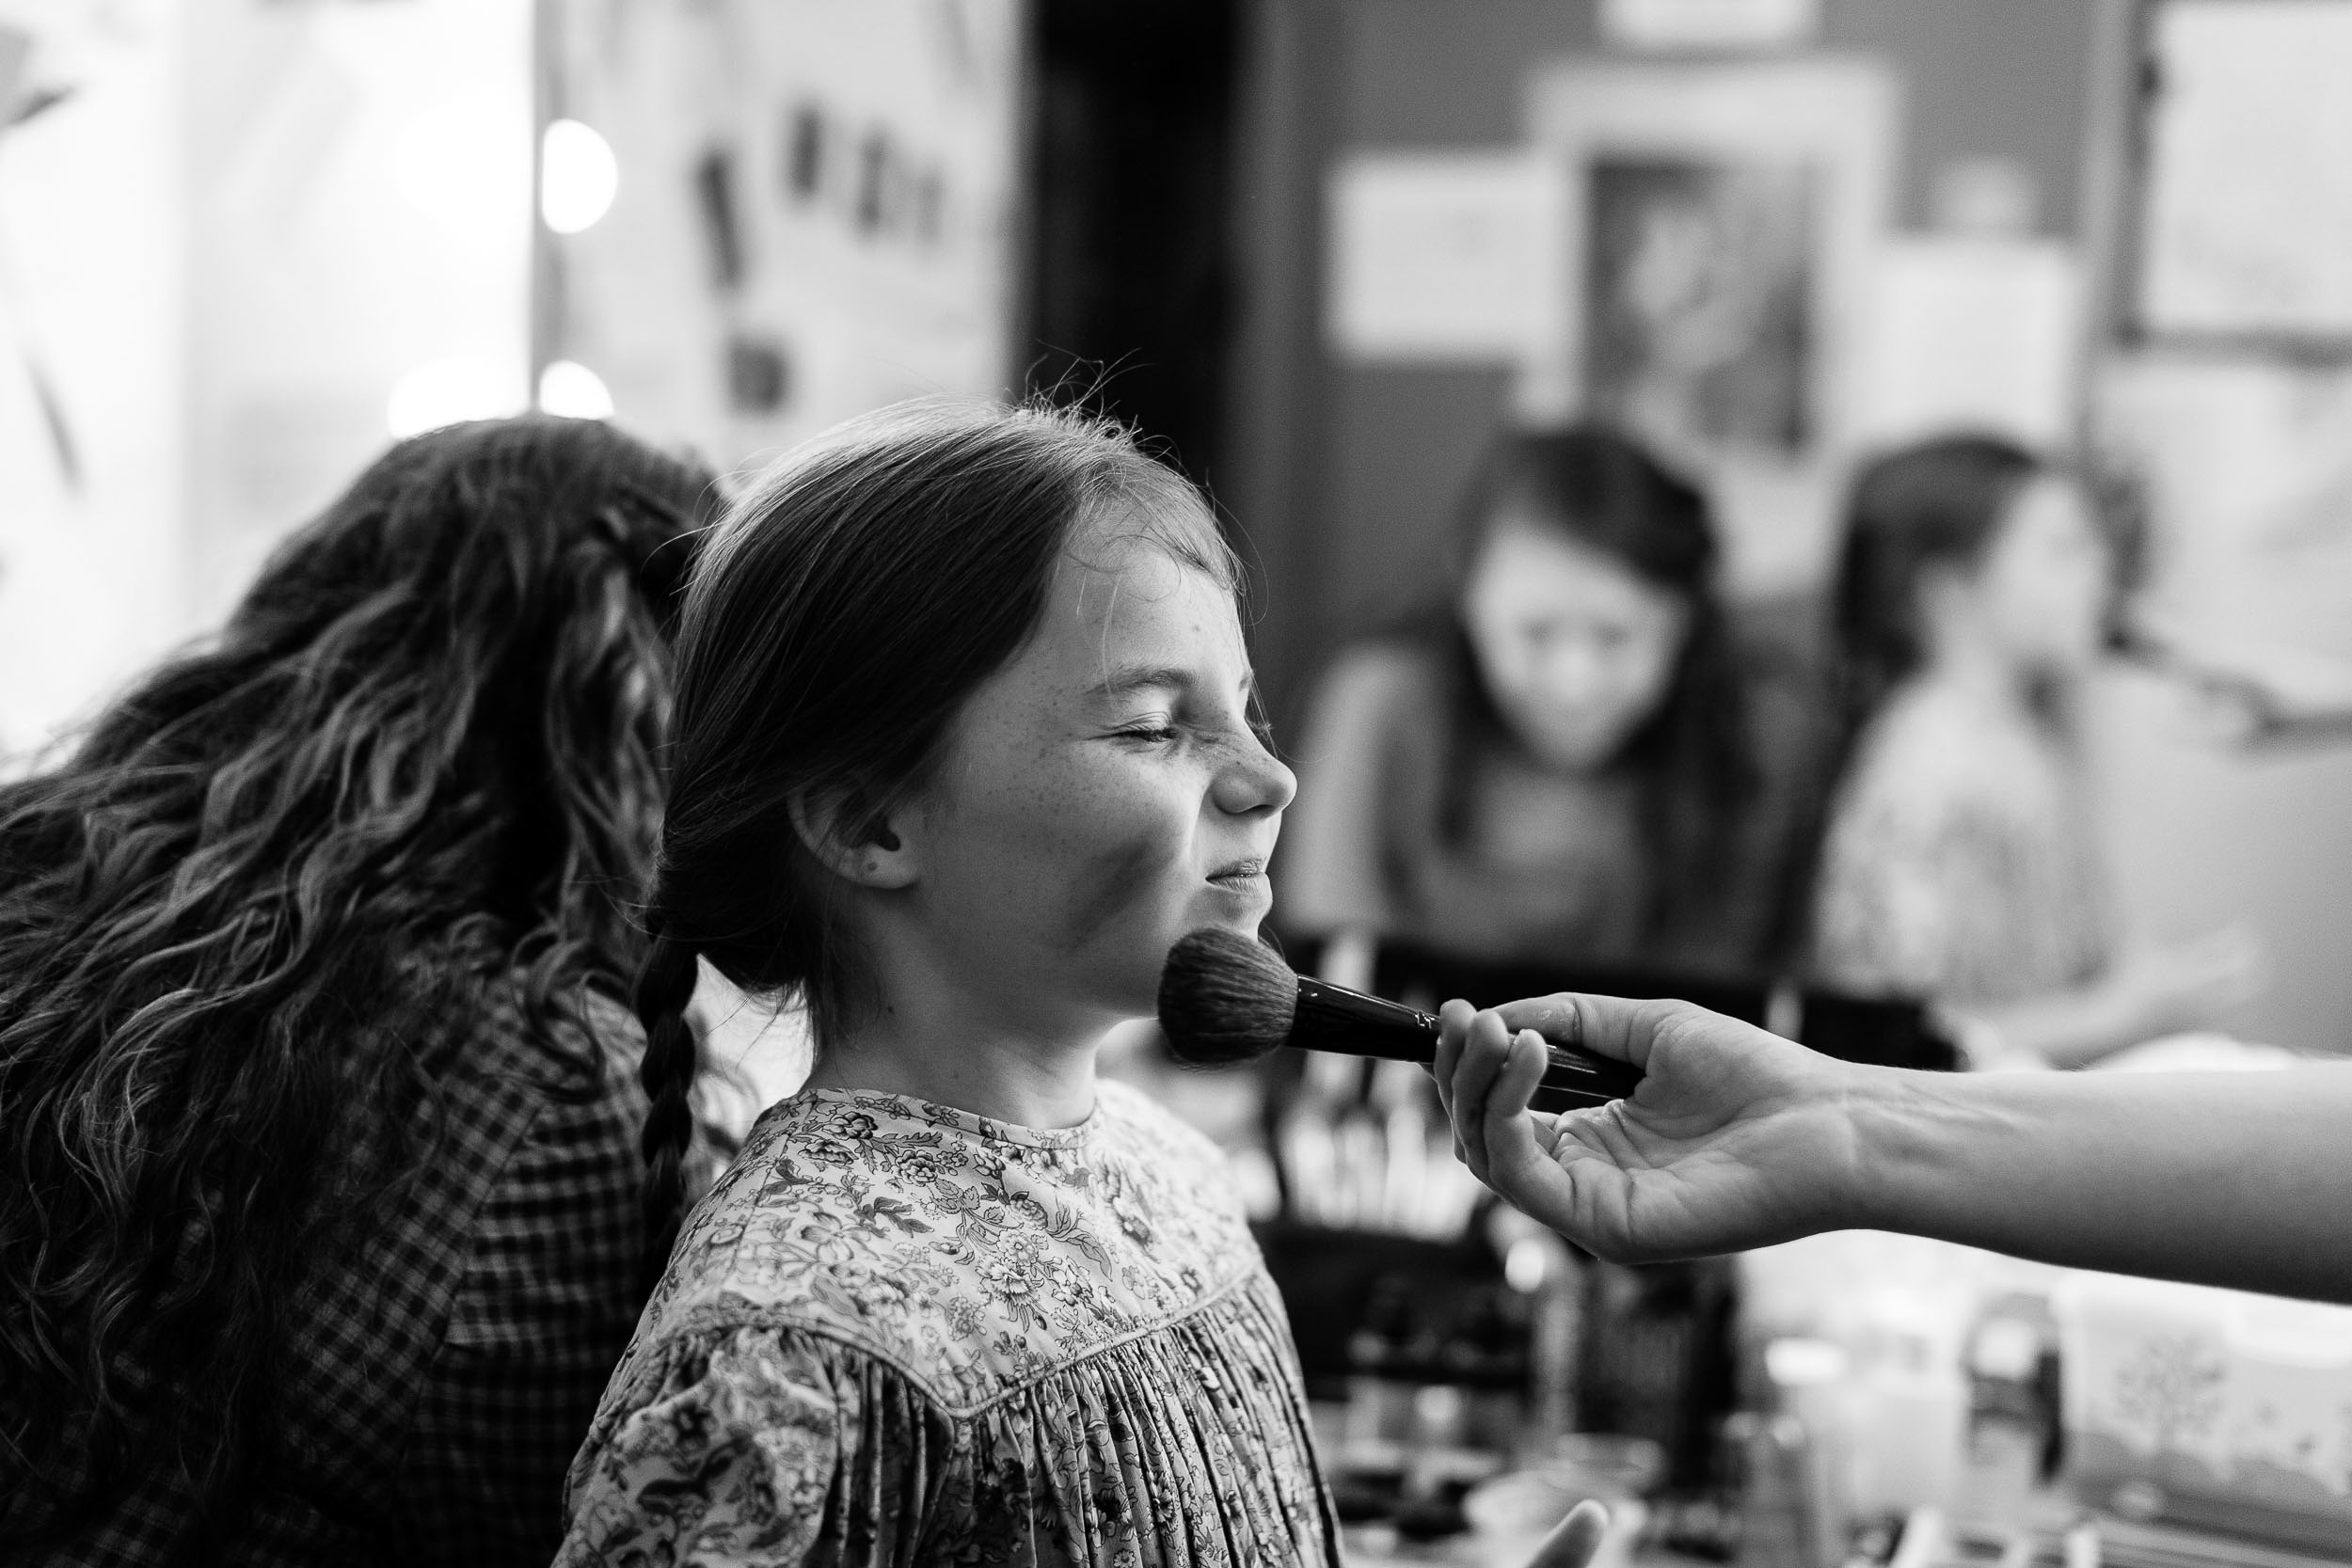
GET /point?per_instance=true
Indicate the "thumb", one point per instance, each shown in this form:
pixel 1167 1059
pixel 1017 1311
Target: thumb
pixel 1574 1544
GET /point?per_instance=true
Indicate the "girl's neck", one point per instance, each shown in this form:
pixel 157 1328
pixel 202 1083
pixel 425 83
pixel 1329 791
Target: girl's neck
pixel 1002 1074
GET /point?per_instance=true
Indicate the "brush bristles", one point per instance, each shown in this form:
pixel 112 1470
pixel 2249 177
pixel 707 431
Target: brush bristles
pixel 1224 997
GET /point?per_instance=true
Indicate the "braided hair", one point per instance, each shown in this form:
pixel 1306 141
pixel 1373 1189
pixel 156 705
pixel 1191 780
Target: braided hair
pixel 837 619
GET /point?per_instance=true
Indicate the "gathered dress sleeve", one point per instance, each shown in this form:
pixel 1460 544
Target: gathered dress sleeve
pixel 723 1450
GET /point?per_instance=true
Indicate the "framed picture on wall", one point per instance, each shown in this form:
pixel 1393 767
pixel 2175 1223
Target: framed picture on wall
pixel 2235 229
pixel 1719 224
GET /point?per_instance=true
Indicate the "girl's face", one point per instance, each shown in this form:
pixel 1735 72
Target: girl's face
pixel 1102 795
pixel 1577 649
pixel 2043 584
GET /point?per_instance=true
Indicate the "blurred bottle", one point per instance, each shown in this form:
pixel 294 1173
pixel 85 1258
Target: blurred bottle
pixel 1399 1092
pixel 1806 1465
pixel 1306 1143
pixel 1486 1357
pixel 2011 1419
pixel 1911 1409
pixel 1379 1417
pixel 1540 1266
pixel 1773 1463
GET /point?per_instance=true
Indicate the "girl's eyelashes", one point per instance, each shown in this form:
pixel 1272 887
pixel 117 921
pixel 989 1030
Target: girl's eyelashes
pixel 1155 731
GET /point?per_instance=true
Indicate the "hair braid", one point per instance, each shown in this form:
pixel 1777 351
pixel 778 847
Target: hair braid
pixel 664 987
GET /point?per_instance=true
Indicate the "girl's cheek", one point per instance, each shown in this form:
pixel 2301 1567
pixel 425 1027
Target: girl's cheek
pixel 1121 878
pixel 1132 852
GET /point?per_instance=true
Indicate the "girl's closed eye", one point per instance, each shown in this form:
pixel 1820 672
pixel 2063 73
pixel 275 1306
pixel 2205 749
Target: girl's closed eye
pixel 1157 730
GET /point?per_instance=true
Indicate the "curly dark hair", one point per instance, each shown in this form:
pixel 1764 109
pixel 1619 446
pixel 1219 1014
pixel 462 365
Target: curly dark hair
pixel 424 754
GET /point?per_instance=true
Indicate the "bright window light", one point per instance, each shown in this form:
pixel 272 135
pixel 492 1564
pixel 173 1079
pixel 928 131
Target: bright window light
pixel 447 391
pixel 578 176
pixel 572 389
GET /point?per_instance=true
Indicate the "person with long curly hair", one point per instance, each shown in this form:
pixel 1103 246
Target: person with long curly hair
pixel 319 1214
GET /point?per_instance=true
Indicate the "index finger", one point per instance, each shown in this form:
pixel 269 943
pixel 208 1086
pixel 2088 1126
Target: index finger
pixel 1611 1026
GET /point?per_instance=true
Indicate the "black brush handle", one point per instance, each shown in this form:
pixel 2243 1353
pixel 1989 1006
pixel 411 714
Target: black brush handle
pixel 1349 1023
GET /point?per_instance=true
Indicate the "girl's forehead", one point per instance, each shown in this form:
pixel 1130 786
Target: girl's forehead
pixel 1129 603
pixel 1136 586
pixel 1146 548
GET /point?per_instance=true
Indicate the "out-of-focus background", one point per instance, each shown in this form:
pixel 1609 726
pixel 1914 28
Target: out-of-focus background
pixel 1330 256
pixel 1323 247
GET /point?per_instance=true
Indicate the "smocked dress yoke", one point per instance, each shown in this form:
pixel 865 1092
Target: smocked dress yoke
pixel 900 1333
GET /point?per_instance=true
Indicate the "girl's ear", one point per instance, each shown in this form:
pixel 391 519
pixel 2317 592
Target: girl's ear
pixel 854 841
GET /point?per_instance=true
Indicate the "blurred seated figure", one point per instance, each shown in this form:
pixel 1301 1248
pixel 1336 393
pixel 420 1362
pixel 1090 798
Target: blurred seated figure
pixel 1566 762
pixel 1959 862
pixel 321 1222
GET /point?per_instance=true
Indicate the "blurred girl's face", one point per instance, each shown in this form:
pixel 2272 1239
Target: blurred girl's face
pixel 2043 584
pixel 1577 649
pixel 1102 793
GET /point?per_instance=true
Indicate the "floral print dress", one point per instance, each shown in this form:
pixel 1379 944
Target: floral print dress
pixel 900 1333
pixel 1962 864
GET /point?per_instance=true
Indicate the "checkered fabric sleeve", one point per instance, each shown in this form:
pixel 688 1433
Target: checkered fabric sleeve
pixel 438 1382
pixel 542 1312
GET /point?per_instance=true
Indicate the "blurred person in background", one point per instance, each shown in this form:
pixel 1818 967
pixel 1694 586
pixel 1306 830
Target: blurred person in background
pixel 1566 762
pixel 320 1219
pixel 1972 602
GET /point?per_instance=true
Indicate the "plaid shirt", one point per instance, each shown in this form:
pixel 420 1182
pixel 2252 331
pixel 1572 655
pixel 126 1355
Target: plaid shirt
pixel 436 1387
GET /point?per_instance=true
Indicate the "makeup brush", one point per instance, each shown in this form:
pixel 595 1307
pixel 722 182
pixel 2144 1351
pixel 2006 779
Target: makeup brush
pixel 1224 997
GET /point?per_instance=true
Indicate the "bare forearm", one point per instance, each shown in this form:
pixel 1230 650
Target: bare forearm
pixel 2242 1180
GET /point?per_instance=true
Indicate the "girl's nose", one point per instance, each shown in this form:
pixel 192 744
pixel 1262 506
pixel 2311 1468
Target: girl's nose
pixel 1255 781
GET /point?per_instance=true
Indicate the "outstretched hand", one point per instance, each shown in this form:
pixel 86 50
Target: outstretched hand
pixel 1735 1138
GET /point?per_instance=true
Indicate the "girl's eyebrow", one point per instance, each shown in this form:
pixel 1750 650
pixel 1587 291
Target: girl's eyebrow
pixel 1127 681
pixel 1133 678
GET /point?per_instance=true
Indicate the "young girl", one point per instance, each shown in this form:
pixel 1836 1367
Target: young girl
pixel 1972 600
pixel 964 742
pixel 1569 763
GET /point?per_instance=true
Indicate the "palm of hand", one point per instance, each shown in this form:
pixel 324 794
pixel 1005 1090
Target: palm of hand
pixel 1732 1142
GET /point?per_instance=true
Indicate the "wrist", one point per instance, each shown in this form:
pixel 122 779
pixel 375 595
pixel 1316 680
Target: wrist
pixel 1895 1152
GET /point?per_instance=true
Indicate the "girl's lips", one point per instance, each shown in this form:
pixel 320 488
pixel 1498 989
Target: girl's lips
pixel 1239 873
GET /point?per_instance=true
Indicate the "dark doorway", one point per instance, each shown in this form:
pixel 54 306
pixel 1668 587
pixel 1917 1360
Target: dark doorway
pixel 1131 278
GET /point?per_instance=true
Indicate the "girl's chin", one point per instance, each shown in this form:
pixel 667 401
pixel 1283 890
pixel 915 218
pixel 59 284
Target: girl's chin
pixel 1238 906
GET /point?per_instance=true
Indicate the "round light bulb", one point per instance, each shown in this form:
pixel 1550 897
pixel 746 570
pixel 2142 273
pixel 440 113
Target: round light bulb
pixel 573 390
pixel 578 176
